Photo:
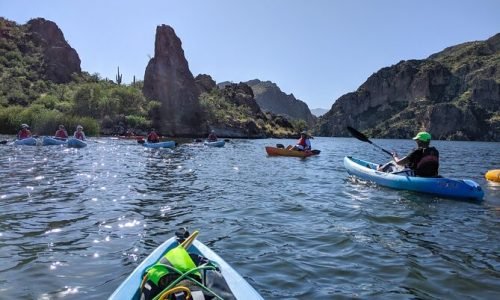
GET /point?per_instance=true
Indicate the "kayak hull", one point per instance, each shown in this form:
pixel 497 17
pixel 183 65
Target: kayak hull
pixel 49 141
pixel 76 143
pixel 166 144
pixel 129 289
pixel 219 144
pixel 445 187
pixel 493 175
pixel 26 142
pixel 273 151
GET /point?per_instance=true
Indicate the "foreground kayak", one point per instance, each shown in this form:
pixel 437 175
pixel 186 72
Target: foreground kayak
pixel 493 175
pixel 219 143
pixel 273 151
pixel 31 141
pixel 166 144
pixel 446 187
pixel 50 141
pixel 76 143
pixel 239 287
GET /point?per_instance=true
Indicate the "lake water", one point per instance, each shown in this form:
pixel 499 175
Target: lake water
pixel 75 223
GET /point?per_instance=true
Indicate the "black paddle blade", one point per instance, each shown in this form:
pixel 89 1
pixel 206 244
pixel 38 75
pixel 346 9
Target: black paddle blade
pixel 316 151
pixel 280 146
pixel 140 141
pixel 358 135
pixel 3 142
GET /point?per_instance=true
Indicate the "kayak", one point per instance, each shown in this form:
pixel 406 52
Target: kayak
pixel 50 141
pixel 239 287
pixel 166 144
pixel 273 151
pixel 493 175
pixel 76 143
pixel 31 141
pixel 219 143
pixel 446 187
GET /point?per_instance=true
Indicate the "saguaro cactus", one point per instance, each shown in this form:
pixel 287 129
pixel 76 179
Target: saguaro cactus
pixel 119 77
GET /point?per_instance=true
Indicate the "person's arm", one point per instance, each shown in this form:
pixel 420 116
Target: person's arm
pixel 84 137
pixel 405 160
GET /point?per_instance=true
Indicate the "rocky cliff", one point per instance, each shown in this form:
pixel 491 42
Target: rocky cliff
pixel 271 99
pixel 168 80
pixel 60 59
pixel 39 47
pixel 454 94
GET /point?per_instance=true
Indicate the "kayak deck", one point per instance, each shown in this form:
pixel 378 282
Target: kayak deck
pixel 129 289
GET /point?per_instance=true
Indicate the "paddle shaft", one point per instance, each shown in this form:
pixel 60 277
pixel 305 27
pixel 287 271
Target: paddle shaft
pixel 364 138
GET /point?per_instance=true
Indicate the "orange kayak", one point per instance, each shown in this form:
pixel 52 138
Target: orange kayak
pixel 273 151
pixel 493 175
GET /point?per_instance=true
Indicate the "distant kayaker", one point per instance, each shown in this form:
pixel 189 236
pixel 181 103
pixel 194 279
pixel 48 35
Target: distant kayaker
pixel 212 137
pixel 153 137
pixel 79 134
pixel 61 133
pixel 424 160
pixel 24 133
pixel 304 143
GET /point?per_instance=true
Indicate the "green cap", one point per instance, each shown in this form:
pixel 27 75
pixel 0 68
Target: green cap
pixel 423 136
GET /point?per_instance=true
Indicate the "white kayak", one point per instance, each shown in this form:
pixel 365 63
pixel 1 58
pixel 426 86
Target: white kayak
pixel 239 287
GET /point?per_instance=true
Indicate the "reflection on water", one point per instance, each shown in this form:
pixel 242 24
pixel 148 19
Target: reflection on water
pixel 75 222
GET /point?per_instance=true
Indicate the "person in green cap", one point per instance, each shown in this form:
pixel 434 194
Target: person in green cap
pixel 423 161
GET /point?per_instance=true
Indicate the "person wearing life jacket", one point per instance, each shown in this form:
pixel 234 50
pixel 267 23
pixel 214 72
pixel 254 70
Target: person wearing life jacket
pixel 303 143
pixel 423 161
pixel 24 133
pixel 61 133
pixel 212 137
pixel 153 137
pixel 79 134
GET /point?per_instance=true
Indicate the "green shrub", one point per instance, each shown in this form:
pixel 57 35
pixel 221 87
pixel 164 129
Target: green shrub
pixel 138 122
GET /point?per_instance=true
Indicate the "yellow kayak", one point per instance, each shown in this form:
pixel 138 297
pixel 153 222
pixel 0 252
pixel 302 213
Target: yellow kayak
pixel 493 175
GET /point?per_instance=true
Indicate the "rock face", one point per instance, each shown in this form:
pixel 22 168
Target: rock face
pixel 205 83
pixel 454 94
pixel 270 98
pixel 241 94
pixel 168 80
pixel 60 60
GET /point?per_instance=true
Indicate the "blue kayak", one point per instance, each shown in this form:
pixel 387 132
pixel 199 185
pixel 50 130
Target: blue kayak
pixel 445 187
pixel 219 143
pixel 166 144
pixel 239 287
pixel 50 141
pixel 31 141
pixel 76 143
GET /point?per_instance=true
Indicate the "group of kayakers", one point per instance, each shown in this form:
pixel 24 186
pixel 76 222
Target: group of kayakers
pixel 61 133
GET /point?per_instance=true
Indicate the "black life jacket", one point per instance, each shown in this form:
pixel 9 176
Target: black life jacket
pixel 428 165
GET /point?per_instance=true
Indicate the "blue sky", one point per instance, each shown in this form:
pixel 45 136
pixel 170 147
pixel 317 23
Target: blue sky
pixel 316 49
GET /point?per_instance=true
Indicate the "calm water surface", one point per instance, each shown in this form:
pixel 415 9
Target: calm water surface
pixel 75 223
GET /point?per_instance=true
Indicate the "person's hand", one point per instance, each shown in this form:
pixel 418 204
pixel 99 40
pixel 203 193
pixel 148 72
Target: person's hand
pixel 394 154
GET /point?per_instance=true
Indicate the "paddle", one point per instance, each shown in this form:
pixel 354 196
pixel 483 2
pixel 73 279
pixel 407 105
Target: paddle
pixel 3 142
pixel 363 138
pixel 187 242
